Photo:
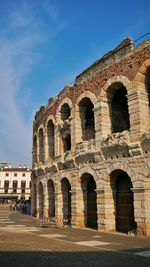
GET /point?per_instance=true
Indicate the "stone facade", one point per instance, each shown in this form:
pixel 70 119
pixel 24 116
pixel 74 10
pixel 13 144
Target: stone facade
pixel 91 146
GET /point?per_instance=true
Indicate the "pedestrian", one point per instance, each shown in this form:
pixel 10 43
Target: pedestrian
pixel 14 206
pixel 10 206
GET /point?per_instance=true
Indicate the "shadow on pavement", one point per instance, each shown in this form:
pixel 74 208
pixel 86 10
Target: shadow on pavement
pixel 71 259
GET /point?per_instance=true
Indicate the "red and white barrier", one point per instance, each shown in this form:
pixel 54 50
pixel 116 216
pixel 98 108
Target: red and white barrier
pixel 44 219
pixel 58 220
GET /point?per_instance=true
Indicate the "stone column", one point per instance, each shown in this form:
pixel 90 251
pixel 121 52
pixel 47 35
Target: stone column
pixel 72 132
pixel 59 208
pixel 100 209
pixel 56 136
pixel 45 205
pixel 147 210
pixel 102 121
pixel 46 147
pixel 138 111
pixel 77 206
pixel 78 127
pixel 34 201
pixel 110 214
pixel 38 149
pixel 139 210
pixel 45 200
pixel 38 209
pixel 78 218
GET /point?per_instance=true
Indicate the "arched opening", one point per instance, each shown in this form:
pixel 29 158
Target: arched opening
pixel 147 83
pixel 124 203
pixel 35 149
pixel 51 198
pixel 41 200
pixel 65 112
pixel 34 199
pixel 119 108
pixel 41 146
pixel 51 140
pixel 66 195
pixel 87 118
pixel 90 200
pixel 66 142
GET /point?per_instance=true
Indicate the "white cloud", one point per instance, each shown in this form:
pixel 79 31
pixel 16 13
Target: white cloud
pixel 23 31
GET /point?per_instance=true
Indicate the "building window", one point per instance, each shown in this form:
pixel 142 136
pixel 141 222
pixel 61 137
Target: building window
pixel 15 185
pixel 15 174
pixel 6 186
pixel 23 174
pixel 6 174
pixel 23 186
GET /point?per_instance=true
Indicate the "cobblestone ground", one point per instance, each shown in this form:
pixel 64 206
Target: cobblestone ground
pixel 24 244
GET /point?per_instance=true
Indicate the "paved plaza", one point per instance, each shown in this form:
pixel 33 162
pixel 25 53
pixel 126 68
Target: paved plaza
pixel 24 244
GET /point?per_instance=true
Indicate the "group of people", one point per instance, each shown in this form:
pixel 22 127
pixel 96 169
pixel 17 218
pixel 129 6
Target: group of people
pixel 23 206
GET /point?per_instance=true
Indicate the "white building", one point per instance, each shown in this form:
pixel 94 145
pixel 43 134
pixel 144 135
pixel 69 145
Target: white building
pixel 15 183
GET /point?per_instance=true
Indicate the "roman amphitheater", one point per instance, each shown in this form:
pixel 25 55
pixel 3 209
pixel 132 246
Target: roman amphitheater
pixel 91 146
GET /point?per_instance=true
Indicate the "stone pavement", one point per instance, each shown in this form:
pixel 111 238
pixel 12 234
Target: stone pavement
pixel 24 244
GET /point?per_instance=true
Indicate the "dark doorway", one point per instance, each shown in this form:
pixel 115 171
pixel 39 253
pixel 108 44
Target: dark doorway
pixel 41 146
pixel 65 112
pixel 124 204
pixel 66 194
pixel 51 139
pixel 91 204
pixel 67 143
pixel 120 114
pixel 51 199
pixel 41 200
pixel 147 83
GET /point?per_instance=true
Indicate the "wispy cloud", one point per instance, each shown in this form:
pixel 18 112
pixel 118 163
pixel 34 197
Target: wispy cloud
pixel 24 28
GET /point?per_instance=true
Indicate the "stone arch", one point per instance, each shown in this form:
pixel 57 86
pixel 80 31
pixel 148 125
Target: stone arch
pixel 113 173
pixel 136 193
pixel 34 198
pixel 66 199
pixel 90 171
pixel 115 88
pixel 52 118
pixel 35 148
pixel 118 107
pixel 62 175
pixel 122 188
pixel 50 137
pixel 141 74
pixel 142 84
pixel 85 117
pixel 87 94
pixel 116 79
pixel 51 198
pixel 64 117
pixel 117 166
pixel 64 101
pixel 41 144
pixel 89 200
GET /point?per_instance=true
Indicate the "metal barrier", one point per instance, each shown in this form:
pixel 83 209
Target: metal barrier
pixel 46 221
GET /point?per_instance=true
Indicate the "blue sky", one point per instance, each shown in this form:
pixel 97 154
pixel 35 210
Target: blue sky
pixel 44 44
